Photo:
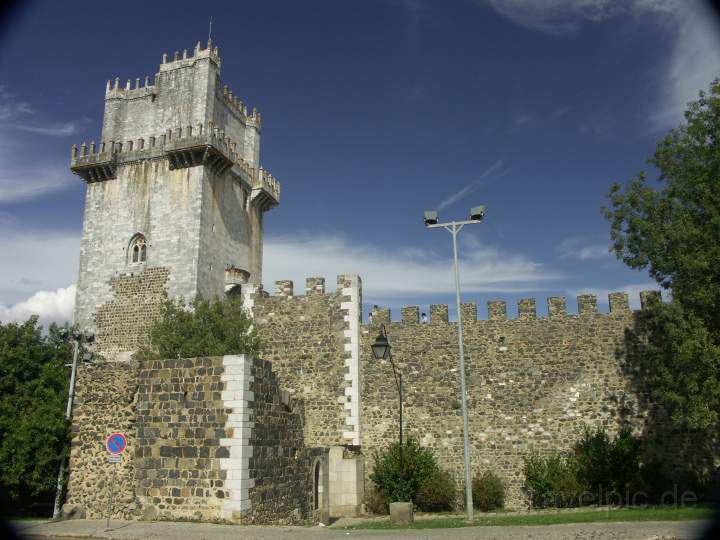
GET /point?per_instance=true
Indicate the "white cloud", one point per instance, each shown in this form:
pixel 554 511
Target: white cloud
pixel 411 273
pixel 472 186
pixel 567 16
pixel 694 63
pixel 632 290
pixel 51 306
pixel 578 247
pixel 34 261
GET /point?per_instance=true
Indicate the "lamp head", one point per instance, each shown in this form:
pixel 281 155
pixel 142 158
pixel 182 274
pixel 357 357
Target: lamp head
pixel 477 213
pixel 431 217
pixel 381 347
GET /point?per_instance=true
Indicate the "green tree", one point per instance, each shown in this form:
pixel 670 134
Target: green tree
pixel 204 328
pixel 673 231
pixel 33 392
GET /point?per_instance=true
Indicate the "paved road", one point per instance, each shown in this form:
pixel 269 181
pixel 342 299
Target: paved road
pixel 137 530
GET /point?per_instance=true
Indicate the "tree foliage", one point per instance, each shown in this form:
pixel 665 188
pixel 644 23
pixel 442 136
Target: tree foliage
pixel 673 231
pixel 33 394
pixel 204 328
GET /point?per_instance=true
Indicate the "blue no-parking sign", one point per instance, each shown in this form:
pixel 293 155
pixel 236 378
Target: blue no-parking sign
pixel 116 443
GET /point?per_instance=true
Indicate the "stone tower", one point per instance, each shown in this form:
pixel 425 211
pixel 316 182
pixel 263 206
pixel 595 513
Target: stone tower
pixel 175 196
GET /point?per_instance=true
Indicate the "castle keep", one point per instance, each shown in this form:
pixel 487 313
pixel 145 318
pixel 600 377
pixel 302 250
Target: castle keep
pixel 175 183
pixel 174 208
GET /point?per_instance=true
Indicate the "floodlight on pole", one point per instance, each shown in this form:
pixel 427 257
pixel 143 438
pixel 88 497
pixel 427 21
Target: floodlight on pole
pixel 477 215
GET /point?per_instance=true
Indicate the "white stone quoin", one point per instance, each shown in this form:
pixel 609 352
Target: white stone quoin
pixel 351 399
pixel 237 396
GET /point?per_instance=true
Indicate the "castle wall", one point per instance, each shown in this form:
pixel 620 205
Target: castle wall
pixel 312 341
pixel 533 383
pixel 212 439
pixel 148 198
pixel 230 234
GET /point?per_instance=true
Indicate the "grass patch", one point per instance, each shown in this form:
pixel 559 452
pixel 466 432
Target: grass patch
pixel 660 513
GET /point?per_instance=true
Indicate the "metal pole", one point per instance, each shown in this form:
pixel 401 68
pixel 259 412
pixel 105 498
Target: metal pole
pixel 110 499
pixel 68 416
pixel 402 452
pixel 463 399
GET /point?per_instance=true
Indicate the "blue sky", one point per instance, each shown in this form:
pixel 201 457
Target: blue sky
pixel 373 111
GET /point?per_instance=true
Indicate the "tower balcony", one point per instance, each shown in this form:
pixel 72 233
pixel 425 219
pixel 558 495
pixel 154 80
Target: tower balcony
pixel 93 166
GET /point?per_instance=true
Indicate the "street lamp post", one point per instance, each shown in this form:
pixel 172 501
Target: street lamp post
pixel 381 349
pixel 77 338
pixel 477 214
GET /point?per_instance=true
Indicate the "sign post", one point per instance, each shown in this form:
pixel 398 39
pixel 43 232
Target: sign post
pixel 115 444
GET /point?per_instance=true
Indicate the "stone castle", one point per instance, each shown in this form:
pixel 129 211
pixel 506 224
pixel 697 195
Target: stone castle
pixel 174 208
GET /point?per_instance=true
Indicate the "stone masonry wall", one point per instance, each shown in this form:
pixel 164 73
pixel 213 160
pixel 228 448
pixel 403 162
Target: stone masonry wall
pixel 123 323
pixel 533 383
pixel 180 421
pixel 313 347
pixel 209 439
pixel 281 464
pixel 105 402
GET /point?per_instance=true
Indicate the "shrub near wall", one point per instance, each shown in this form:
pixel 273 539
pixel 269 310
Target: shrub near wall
pixel 600 471
pixel 488 492
pixel 423 482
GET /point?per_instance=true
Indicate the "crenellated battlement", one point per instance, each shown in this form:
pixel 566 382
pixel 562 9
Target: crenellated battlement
pixel 186 146
pixel 587 305
pixel 237 106
pixel 114 90
pixel 185 59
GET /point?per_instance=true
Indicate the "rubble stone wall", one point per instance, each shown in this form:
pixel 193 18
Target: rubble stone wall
pixel 105 402
pixel 314 351
pixel 123 323
pixel 533 383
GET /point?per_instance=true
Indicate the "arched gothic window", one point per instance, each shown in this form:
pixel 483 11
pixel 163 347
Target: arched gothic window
pixel 138 249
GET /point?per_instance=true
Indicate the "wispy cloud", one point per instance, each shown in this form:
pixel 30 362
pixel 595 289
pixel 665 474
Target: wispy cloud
pixel 567 16
pixel 582 248
pixel 522 119
pixel 410 273
pixel 57 130
pixel 24 177
pixel 20 180
pixel 472 186
pixel 694 63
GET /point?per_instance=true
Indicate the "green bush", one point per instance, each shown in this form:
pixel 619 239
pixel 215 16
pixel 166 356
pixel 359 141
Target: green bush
pixel 488 492
pixel 419 464
pixel 610 468
pixel 552 481
pixel 375 501
pixel 204 328
pixel 437 493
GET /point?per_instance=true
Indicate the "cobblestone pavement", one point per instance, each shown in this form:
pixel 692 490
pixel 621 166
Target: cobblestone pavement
pixel 136 530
